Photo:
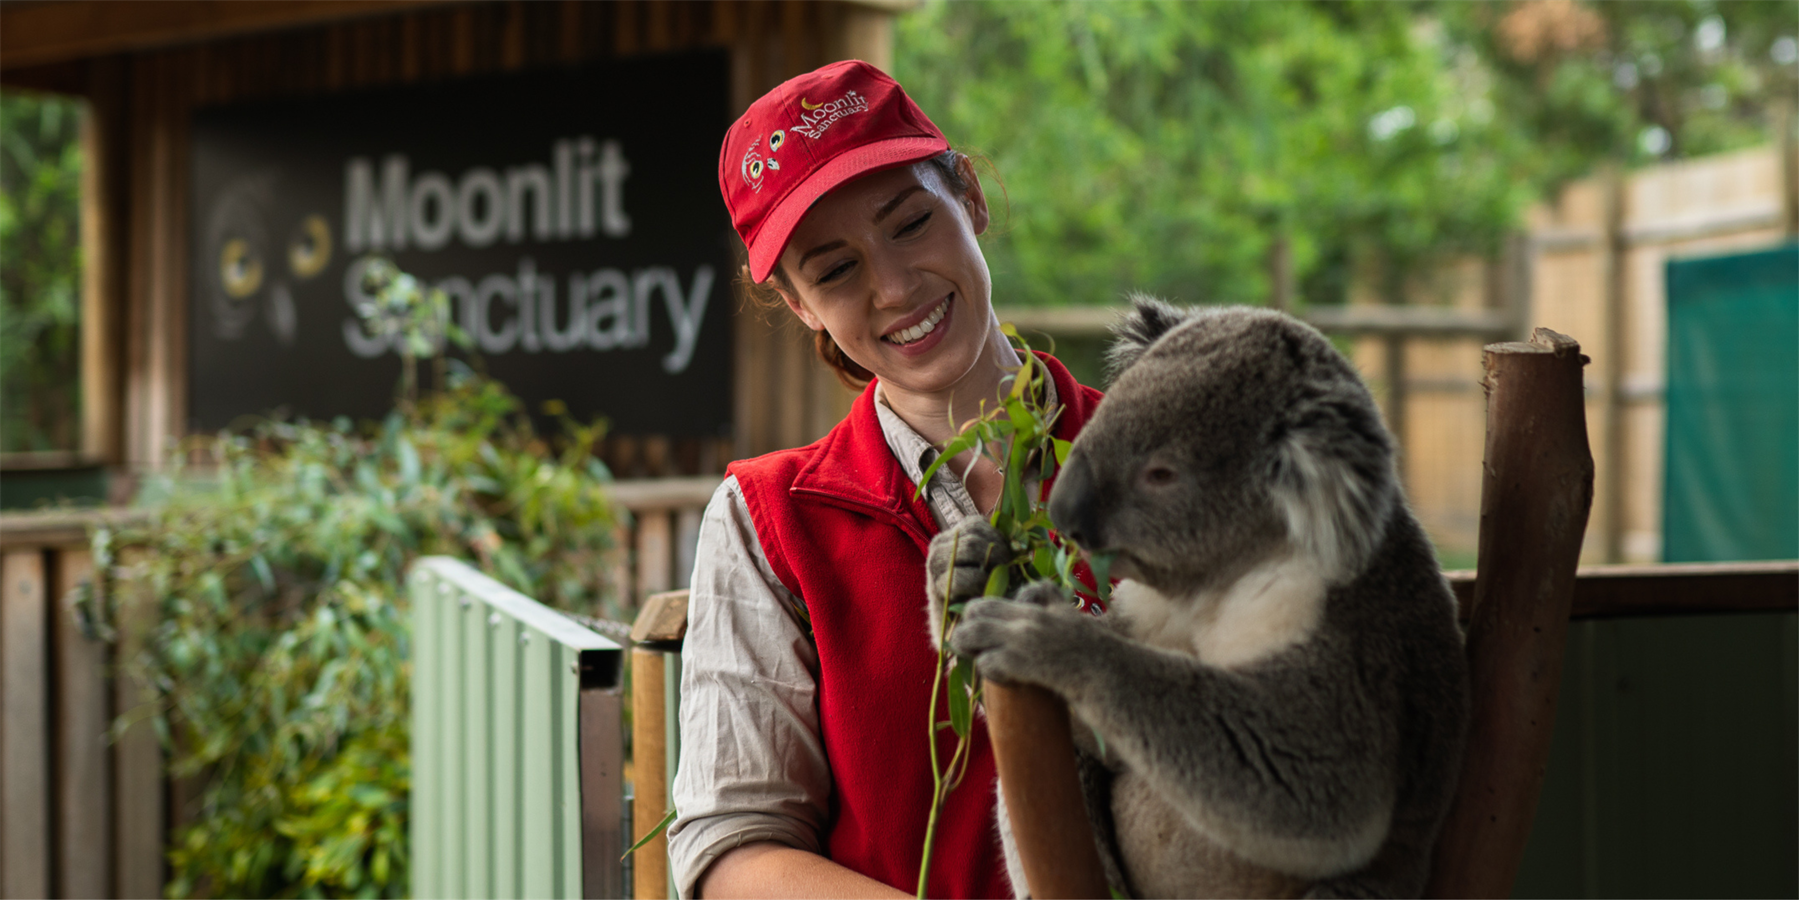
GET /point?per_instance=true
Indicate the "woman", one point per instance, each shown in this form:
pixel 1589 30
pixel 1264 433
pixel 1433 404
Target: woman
pixel 807 671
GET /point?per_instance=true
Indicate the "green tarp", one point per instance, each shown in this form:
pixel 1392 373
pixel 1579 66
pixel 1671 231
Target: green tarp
pixel 1732 488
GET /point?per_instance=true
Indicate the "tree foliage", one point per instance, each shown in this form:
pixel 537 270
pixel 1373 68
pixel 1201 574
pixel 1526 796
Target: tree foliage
pixel 1634 82
pixel 40 272
pixel 1165 146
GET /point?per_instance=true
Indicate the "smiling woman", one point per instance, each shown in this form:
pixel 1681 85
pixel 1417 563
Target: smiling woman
pixel 807 667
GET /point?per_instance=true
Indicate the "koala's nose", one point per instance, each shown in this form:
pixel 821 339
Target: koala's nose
pixel 1071 503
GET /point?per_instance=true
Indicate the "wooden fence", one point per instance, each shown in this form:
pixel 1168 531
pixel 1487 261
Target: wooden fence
pixel 87 816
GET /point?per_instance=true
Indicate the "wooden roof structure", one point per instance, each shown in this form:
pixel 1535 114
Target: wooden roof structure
pixel 143 68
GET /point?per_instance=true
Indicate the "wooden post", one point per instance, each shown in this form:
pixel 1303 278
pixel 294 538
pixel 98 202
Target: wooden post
pixel 649 773
pixel 1611 439
pixel 1536 492
pixel 1034 750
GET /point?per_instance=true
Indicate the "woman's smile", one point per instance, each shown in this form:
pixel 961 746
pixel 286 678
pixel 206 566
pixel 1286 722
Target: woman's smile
pixel 923 329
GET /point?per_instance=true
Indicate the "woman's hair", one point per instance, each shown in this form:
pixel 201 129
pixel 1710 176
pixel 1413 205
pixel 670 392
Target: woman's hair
pixel 950 165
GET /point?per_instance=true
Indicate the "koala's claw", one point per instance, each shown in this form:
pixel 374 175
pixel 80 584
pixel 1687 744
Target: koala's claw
pixel 1014 642
pixel 957 568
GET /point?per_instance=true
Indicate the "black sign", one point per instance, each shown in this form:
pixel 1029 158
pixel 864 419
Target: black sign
pixel 571 216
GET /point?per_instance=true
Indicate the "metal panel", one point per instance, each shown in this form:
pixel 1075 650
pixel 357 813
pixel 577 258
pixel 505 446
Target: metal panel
pixel 538 855
pixel 427 740
pixel 477 748
pixel 568 772
pixel 508 689
pixel 508 693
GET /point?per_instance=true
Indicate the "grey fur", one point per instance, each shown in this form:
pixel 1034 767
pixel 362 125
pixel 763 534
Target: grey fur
pixel 1280 689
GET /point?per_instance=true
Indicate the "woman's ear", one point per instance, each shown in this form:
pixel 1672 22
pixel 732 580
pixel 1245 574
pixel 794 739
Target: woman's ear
pixel 974 200
pixel 793 302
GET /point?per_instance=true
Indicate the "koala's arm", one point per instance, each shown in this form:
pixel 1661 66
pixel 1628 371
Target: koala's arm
pixel 957 567
pixel 1282 765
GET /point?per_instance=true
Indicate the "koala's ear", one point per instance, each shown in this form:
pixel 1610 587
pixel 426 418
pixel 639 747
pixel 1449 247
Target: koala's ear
pixel 1132 334
pixel 1333 481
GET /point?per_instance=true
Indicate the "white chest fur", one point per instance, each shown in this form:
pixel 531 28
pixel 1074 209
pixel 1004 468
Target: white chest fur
pixel 1272 607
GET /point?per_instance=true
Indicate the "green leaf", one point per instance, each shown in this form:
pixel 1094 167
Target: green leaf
pixel 1062 448
pixel 650 835
pixel 1101 564
pixel 998 581
pixel 959 715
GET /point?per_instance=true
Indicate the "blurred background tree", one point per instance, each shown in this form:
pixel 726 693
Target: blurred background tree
pixel 40 272
pixel 1167 146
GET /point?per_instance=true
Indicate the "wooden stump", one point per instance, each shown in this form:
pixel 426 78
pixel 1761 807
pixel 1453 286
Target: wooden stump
pixel 1034 750
pixel 1536 491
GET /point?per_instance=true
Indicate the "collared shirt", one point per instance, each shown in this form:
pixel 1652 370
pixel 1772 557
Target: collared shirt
pixel 752 765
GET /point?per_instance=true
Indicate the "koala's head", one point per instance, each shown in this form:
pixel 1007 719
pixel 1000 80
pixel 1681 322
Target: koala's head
pixel 1229 435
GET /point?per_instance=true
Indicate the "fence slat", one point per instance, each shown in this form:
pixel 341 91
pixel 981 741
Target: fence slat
pixel 508 811
pixel 137 755
pixel 427 740
pixel 83 775
pixel 477 747
pixel 24 731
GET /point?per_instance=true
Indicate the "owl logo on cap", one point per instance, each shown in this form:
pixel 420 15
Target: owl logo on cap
pixel 753 166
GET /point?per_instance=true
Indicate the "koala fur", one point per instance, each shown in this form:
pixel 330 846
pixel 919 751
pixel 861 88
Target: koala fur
pixel 1276 703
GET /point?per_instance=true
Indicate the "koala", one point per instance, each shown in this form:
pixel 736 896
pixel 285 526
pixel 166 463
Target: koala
pixel 1276 702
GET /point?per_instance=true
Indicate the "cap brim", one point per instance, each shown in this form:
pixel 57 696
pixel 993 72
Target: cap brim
pixel 765 248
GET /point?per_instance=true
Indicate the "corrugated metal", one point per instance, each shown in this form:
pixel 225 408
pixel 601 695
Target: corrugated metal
pixel 516 783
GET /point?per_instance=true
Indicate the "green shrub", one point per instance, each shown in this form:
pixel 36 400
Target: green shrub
pixel 279 652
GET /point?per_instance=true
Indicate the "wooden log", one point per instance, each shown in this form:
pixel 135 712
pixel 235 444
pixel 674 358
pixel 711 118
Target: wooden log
pixel 1034 750
pixel 1536 492
pixel 649 772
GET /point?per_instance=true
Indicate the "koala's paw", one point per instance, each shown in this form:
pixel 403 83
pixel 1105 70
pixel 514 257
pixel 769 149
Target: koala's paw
pixel 1015 643
pixel 958 565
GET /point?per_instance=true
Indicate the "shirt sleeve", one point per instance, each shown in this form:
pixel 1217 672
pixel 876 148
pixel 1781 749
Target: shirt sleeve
pixel 752 765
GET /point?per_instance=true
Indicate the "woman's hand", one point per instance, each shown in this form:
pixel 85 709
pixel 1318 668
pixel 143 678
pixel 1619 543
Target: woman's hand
pixel 770 869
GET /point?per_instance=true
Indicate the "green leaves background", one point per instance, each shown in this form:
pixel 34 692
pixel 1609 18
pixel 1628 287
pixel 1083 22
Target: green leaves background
pixel 280 653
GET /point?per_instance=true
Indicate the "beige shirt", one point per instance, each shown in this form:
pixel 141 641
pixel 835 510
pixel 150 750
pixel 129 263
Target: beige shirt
pixel 752 766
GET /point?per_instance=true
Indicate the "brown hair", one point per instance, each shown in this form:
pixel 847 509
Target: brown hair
pixel 949 165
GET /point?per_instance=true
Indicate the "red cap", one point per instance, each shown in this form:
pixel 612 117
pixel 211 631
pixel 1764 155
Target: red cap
pixel 811 134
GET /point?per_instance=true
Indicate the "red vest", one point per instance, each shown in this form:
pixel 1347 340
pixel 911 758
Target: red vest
pixel 842 530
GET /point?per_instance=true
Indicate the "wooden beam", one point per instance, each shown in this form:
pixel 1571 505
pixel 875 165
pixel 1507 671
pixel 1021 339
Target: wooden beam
pixel 1425 321
pixel 1678 589
pixel 34 34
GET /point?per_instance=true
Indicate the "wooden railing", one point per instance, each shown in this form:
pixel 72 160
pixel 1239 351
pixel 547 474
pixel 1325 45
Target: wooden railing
pixel 81 815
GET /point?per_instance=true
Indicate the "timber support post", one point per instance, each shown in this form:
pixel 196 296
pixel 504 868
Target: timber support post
pixel 1536 493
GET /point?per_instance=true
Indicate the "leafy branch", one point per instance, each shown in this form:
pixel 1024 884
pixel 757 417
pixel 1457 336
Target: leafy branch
pixel 1017 435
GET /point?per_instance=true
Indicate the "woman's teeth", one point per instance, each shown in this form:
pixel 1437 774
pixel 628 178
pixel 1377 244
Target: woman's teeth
pixel 908 335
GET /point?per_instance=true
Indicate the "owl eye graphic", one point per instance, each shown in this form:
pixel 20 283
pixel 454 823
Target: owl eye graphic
pixel 776 140
pixel 309 250
pixel 755 169
pixel 240 268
